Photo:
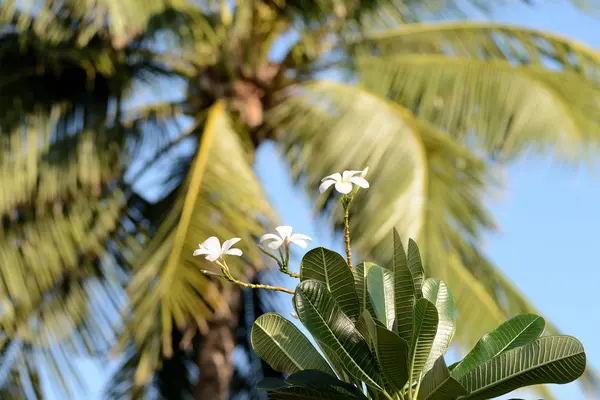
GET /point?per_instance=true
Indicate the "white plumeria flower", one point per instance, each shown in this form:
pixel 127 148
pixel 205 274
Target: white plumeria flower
pixel 213 250
pixel 285 237
pixel 343 183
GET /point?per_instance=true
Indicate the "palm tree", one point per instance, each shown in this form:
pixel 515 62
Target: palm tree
pixel 128 131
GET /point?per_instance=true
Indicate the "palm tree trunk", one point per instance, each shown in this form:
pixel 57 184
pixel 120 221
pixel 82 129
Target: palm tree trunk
pixel 215 354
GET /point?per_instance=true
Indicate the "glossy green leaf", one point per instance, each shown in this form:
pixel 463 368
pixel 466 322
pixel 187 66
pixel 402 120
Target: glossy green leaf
pixel 278 342
pixel 425 329
pixel 437 384
pixel 333 329
pixel 366 325
pixel 549 359
pixel 416 267
pixel 360 273
pixel 404 291
pixel 392 354
pixel 439 294
pixel 380 286
pixel 310 384
pixel 515 332
pixel 330 268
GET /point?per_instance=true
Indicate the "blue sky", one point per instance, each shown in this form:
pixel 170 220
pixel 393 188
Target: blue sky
pixel 549 218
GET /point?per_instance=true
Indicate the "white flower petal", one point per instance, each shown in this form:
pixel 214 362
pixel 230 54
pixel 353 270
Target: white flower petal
pixel 364 172
pixel 284 231
pixel 213 256
pixel 325 185
pixel 275 244
pixel 336 177
pixel 300 236
pixel 346 175
pixel 228 243
pixel 211 244
pixel 199 252
pixel 358 181
pixel 234 252
pixel 300 243
pixel 269 236
pixel 344 188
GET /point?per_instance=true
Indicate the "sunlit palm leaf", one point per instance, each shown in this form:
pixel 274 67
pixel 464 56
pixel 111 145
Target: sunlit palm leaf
pixel 497 88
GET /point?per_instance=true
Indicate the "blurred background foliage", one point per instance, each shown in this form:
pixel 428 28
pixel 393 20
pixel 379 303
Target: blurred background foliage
pixel 128 132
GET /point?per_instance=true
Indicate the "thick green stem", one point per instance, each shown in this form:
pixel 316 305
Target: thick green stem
pixel 347 236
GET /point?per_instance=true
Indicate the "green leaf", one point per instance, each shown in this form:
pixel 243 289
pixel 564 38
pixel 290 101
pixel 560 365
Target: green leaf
pixel 310 384
pixel 416 267
pixel 360 273
pixel 329 267
pixel 425 328
pixel 437 384
pixel 380 286
pixel 549 359
pixel 366 325
pixel 279 343
pixel 439 294
pixel 333 329
pixel 515 332
pixel 392 354
pixel 404 291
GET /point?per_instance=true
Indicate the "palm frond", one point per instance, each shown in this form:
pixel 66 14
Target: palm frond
pixel 220 196
pixel 500 89
pixel 423 183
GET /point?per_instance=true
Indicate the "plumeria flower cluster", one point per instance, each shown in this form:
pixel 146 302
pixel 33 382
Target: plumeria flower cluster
pixel 213 251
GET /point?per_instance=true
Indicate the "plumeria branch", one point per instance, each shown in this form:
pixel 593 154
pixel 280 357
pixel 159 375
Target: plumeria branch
pixel 230 278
